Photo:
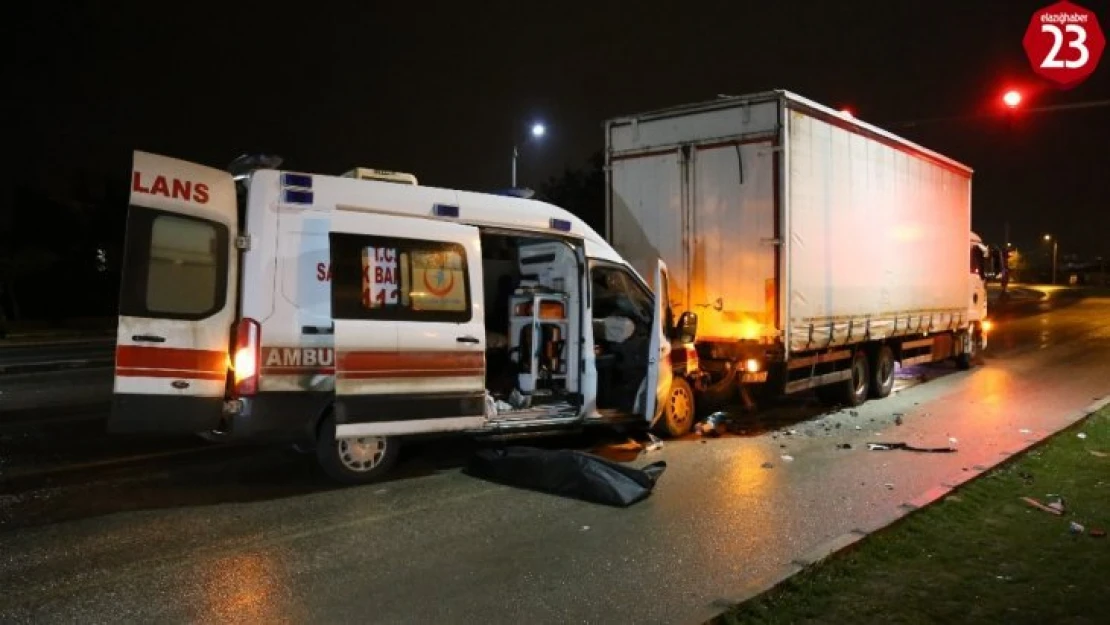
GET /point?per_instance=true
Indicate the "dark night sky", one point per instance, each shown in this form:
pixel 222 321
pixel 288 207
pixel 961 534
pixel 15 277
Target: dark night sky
pixel 439 90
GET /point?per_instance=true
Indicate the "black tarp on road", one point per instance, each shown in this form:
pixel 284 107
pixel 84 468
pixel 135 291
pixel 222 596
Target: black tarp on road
pixel 568 473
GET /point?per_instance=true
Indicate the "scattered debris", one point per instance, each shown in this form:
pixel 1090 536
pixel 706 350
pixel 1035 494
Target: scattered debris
pixel 1082 435
pixel 1026 477
pixel 889 486
pixel 1097 532
pixel 585 528
pixel 1098 454
pixel 908 447
pixel 655 444
pixel 838 426
pixel 787 458
pixel 767 465
pixel 1025 431
pixel 955 498
pixel 858 427
pixel 844 446
pixel 897 419
pixel 953 440
pixel 1037 504
pixel 854 413
pixel 792 432
pixel 381 491
pixel 1076 528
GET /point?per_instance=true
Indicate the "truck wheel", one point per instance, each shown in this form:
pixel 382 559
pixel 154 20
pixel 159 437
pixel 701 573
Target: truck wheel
pixel 678 412
pixel 882 377
pixel 355 460
pixel 964 360
pixel 855 389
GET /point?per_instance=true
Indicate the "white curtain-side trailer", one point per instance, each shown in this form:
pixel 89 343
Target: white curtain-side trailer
pixel 816 250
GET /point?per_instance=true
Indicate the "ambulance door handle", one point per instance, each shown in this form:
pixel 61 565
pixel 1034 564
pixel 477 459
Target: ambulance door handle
pixel 148 338
pixel 467 339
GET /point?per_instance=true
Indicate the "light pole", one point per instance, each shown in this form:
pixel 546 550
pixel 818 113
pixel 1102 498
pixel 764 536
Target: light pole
pixel 538 131
pixel 1055 243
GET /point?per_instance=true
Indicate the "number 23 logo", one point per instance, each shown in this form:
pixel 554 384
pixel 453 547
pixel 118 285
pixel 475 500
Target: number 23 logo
pixel 1058 37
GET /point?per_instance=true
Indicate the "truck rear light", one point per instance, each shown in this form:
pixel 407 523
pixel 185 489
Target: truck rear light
pixel 752 365
pixel 248 348
pixel 987 325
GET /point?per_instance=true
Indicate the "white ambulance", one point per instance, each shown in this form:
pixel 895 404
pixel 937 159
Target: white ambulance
pixel 346 312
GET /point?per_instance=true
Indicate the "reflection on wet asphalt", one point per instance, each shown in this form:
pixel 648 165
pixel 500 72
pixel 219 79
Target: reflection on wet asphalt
pixel 256 534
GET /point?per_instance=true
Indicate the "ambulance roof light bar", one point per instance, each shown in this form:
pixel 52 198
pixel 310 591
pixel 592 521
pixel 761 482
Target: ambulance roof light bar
pixel 383 175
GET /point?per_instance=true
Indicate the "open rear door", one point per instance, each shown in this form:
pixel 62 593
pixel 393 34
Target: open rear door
pixel 177 298
pixel 409 325
pixel 659 357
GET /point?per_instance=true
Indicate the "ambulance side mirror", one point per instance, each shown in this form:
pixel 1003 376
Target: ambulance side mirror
pixel 687 327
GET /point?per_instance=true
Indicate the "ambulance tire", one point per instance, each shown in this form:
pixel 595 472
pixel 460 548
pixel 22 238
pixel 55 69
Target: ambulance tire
pixel 355 461
pixel 678 411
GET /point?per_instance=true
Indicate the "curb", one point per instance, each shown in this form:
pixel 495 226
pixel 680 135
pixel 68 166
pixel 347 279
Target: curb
pixel 837 544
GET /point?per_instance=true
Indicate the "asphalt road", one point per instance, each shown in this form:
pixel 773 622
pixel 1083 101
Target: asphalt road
pixel 26 357
pixel 201 533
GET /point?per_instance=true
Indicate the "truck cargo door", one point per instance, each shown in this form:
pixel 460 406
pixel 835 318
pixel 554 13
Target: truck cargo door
pixel 409 327
pixel 177 298
pixel 659 373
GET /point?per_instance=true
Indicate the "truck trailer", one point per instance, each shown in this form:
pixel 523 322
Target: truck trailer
pixel 815 249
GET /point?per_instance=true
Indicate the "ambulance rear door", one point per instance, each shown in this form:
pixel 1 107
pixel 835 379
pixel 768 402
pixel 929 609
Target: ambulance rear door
pixel 409 325
pixel 177 298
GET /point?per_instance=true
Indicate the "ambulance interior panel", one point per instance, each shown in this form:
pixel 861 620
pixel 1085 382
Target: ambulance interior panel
pixel 532 309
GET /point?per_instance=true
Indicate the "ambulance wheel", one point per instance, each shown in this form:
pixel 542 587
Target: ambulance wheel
pixel 678 411
pixel 355 460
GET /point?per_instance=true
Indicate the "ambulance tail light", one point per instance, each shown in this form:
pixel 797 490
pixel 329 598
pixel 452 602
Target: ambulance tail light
pixel 248 353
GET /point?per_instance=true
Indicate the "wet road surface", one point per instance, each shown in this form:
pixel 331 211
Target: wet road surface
pixel 201 533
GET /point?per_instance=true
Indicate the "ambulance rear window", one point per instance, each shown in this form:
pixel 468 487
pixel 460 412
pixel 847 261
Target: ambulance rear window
pixel 175 266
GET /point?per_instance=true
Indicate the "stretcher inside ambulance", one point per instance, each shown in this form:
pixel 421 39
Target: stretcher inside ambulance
pixel 344 314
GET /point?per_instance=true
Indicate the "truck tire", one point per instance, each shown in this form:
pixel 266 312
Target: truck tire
pixel 678 412
pixel 882 372
pixel 854 390
pixel 358 460
pixel 965 359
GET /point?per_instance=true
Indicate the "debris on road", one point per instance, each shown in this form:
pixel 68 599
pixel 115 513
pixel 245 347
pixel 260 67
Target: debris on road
pixel 1076 528
pixel 767 465
pixel 889 486
pixel 844 446
pixel 568 473
pixel 1097 532
pixel 1098 454
pixel 1082 435
pixel 655 444
pixel 1025 431
pixel 953 440
pixel 897 419
pixel 908 447
pixel 787 458
pixel 1041 506
pixel 585 528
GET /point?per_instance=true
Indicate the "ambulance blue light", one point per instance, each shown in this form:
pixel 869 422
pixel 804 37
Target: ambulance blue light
pixel 293 196
pixel 303 181
pixel 445 210
pixel 560 224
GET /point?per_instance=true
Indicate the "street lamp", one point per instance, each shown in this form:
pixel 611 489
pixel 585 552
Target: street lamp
pixel 538 131
pixel 1055 244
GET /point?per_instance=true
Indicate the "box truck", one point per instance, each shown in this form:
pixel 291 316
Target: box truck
pixel 816 250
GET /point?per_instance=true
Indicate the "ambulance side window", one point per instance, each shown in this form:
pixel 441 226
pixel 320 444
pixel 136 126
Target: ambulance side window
pixel 175 266
pixel 390 278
